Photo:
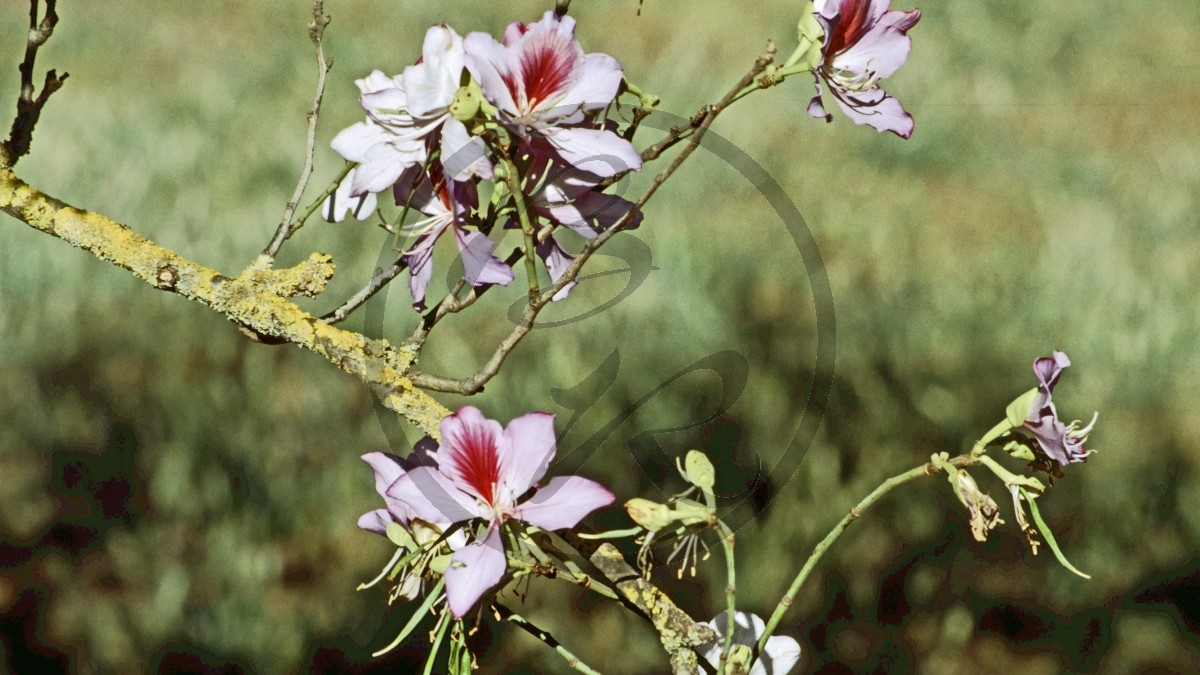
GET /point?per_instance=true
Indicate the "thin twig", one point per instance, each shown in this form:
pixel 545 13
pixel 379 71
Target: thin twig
pixel 287 227
pixel 475 383
pixel 926 469
pixel 572 660
pixel 376 284
pixel 29 109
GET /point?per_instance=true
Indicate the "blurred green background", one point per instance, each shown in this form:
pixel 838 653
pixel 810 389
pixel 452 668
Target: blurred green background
pixel 173 496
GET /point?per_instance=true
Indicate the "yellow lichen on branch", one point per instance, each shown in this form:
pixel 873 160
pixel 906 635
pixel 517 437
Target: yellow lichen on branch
pixel 679 634
pixel 256 300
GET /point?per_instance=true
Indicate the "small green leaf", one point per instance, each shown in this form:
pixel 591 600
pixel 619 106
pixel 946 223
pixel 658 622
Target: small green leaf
pixel 1048 535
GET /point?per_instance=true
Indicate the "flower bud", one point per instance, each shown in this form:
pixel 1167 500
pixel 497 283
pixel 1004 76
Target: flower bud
pixel 466 102
pixel 650 515
pixel 699 471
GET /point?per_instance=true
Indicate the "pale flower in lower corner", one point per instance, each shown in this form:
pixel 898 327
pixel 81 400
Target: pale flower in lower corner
pixel 779 656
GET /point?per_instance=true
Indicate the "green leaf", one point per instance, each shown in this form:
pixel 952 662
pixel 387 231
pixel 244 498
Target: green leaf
pixel 1048 535
pixel 416 617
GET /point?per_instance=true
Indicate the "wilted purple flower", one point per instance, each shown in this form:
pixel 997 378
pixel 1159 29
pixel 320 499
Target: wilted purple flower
pixel 482 471
pixel 1061 442
pixel 864 43
pixel 543 85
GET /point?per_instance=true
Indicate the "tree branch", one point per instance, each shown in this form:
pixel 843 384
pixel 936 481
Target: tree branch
pixel 926 469
pixel 255 299
pixel 678 632
pixel 316 31
pixel 29 109
pixel 572 660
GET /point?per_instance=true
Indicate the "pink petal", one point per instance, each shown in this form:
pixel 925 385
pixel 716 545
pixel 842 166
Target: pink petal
pixel 341 203
pixel 877 109
pixel 597 78
pixel 485 58
pixel 373 82
pixel 563 502
pixel 433 497
pixel 431 84
pixel 383 165
pixel 881 51
pixel 375 521
pixel 420 268
pixel 474 569
pixel 470 452
pixel 547 58
pixel 526 449
pixel 354 141
pixel 604 153
pixel 557 261
pixel 479 265
pixel 387 470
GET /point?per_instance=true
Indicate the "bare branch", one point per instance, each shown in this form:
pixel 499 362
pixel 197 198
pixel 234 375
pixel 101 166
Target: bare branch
pixel 29 109
pixel 679 633
pixel 573 661
pixel 287 226
pixel 475 383
pixel 376 284
pixel 254 299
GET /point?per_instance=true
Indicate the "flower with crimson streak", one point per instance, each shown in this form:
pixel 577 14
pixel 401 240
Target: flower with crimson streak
pixel 483 471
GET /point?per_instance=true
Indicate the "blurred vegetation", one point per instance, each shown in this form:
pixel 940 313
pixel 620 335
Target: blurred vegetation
pixel 174 496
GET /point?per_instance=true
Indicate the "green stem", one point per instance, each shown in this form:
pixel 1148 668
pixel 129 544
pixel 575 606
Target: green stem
pixel 572 660
pixel 527 230
pixel 727 542
pixel 884 488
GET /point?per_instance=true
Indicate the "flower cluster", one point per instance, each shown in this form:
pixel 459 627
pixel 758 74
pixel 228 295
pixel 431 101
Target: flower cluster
pixel 480 476
pixel 473 110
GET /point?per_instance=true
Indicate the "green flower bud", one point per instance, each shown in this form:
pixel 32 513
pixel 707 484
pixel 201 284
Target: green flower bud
pixel 699 471
pixel 650 515
pixel 466 102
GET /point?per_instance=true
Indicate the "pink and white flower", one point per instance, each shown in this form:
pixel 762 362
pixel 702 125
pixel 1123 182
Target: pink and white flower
pixel 408 116
pixel 543 85
pixel 864 43
pixel 482 472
